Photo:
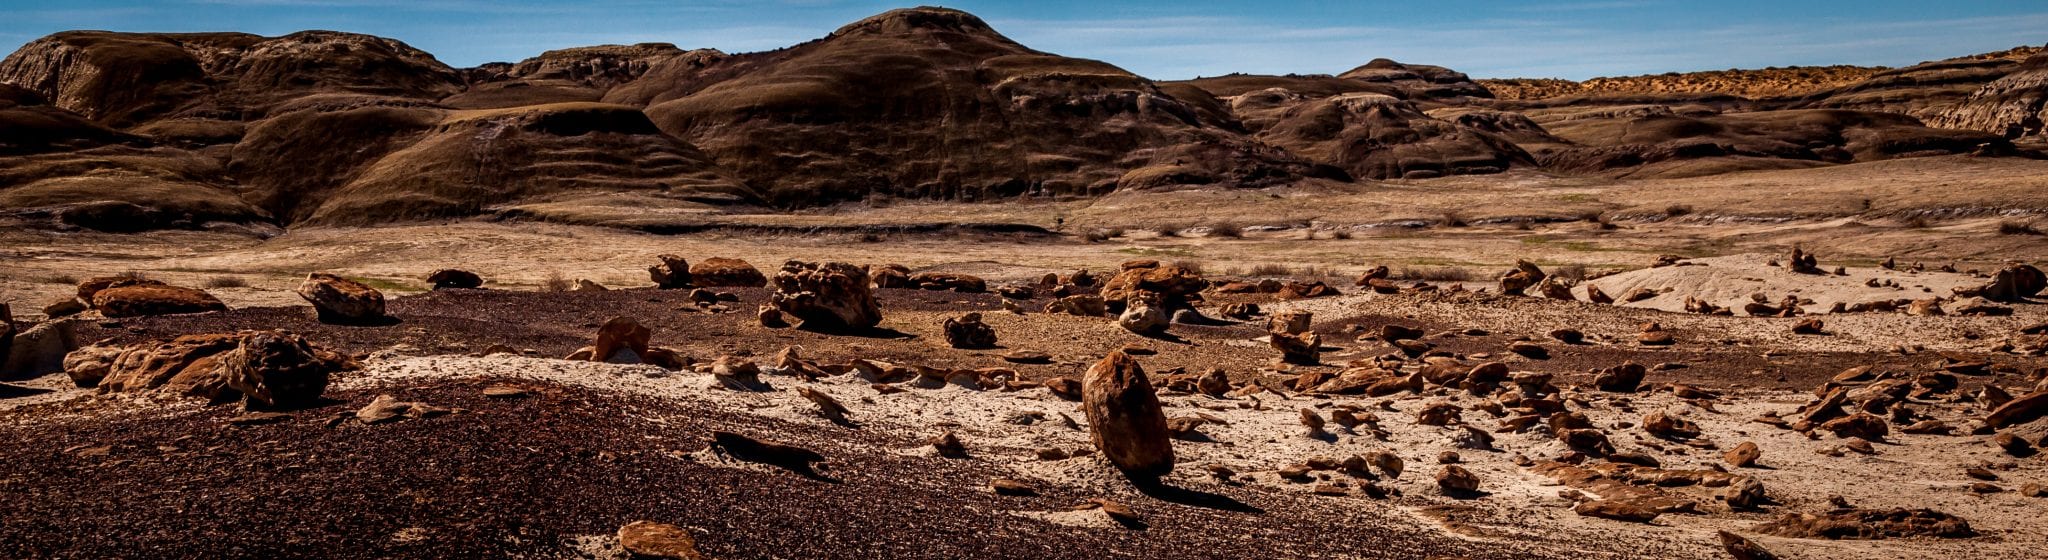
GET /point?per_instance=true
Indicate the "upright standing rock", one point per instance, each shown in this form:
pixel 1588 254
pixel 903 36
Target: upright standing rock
pixel 341 300
pixel 1124 417
pixel 828 296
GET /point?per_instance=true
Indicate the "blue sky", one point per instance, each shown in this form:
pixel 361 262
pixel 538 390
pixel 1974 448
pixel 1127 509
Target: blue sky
pixel 1161 39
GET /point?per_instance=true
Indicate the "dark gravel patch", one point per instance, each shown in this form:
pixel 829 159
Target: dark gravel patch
pixel 524 477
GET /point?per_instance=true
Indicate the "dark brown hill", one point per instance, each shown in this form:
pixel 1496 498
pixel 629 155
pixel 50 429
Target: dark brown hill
pixel 1379 136
pixel 1650 142
pixel 125 79
pixel 933 103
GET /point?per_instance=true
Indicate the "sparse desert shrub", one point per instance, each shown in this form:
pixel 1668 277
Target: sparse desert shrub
pixel 1916 222
pixel 2013 227
pixel 1434 274
pixel 1191 266
pixel 227 282
pixel 1101 235
pixel 1677 210
pixel 1270 269
pixel 132 275
pixel 879 200
pixel 59 279
pixel 1226 229
pixel 1452 219
pixel 1340 234
pixel 1168 230
pixel 870 237
pixel 555 282
pixel 1572 273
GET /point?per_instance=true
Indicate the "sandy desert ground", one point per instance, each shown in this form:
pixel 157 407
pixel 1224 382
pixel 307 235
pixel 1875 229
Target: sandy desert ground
pixel 590 446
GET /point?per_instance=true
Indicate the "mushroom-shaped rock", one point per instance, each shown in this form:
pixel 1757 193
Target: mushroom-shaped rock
pixel 341 300
pixel 1124 418
pixel 827 296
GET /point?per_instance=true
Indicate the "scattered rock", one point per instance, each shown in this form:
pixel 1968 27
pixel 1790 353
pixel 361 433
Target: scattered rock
pixel 386 408
pixel 341 300
pixel 1011 487
pixel 1616 510
pixel 1740 548
pixel 647 539
pixel 1625 378
pixel 673 273
pixel 1869 524
pixel 1744 455
pixel 1455 479
pixel 968 331
pixel 142 298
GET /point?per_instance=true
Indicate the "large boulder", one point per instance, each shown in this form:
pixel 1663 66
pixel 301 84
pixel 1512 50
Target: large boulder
pixel 1178 286
pixel 341 300
pixel 448 278
pixel 141 298
pixel 826 296
pixel 623 340
pixel 40 349
pixel 672 273
pixel 2014 283
pixel 723 272
pixel 1124 418
pixel 968 331
pixel 270 369
pixel 963 283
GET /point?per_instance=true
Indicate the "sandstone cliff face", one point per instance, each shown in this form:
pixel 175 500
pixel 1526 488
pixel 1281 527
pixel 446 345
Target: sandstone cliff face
pixel 2013 106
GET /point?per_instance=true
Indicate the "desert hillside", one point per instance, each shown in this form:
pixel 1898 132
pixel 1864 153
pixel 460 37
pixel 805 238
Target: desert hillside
pixel 143 131
pixel 914 289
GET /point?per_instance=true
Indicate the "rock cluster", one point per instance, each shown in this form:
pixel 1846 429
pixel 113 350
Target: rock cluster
pixel 826 296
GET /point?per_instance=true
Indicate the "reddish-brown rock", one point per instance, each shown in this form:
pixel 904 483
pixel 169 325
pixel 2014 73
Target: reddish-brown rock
pixel 341 300
pixel 827 296
pixel 1124 418
pixel 723 272
pixel 147 298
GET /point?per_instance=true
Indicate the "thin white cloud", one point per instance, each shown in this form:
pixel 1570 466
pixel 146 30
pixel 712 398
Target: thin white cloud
pixel 1184 47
